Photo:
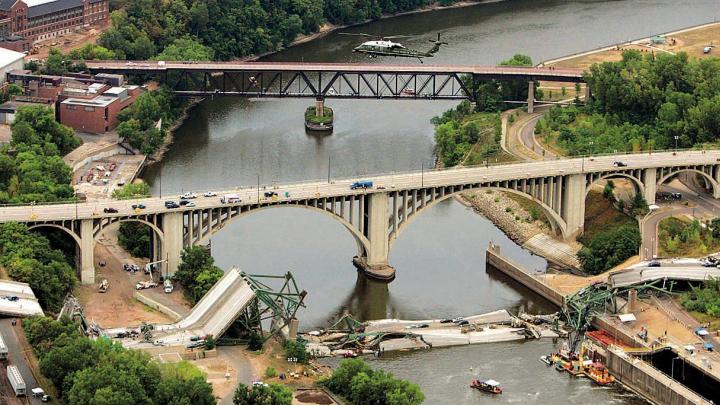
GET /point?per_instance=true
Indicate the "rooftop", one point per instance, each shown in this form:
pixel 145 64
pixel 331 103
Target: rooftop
pixel 99 101
pixel 38 8
pixel 7 57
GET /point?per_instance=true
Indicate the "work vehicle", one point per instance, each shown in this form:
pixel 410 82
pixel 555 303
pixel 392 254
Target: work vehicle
pixel 168 286
pixel 171 204
pixel 188 196
pixel 40 393
pixel 361 184
pixel 209 194
pixel 230 199
pixel 103 286
pixel 145 284
pixel 110 210
pixel 16 381
pixel 3 349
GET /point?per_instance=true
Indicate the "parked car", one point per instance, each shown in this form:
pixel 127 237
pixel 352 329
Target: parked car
pixel 188 196
pixel 184 202
pixel 190 204
pixel 654 263
pixel 269 194
pixel 209 194
pixel 138 206
pixel 619 164
pixel 110 210
pixel 171 204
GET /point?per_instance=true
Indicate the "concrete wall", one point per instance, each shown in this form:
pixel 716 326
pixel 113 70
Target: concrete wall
pixel 493 258
pixel 649 381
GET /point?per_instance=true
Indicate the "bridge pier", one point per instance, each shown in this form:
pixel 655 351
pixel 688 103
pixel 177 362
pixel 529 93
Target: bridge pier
pixel 573 205
pixel 172 245
pixel 531 97
pixel 87 252
pixel 650 184
pixel 319 107
pixel 375 262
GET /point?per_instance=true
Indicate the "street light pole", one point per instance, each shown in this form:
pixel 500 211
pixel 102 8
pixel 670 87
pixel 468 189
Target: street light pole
pixel 676 143
pixel 422 174
pixel 258 189
pixel 328 168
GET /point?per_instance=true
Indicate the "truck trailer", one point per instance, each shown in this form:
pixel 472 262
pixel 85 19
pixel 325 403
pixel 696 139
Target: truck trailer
pixel 230 199
pixel 3 349
pixel 16 381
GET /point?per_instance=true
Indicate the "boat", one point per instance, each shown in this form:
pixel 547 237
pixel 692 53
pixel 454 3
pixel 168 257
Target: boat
pixel 546 359
pixel 490 386
pixel 599 374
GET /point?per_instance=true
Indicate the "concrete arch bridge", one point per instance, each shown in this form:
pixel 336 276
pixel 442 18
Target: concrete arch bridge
pixel 375 216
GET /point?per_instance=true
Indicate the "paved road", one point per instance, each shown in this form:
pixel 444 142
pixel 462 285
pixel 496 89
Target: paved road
pixel 395 182
pixel 532 73
pixel 643 274
pixel 527 137
pixel 17 356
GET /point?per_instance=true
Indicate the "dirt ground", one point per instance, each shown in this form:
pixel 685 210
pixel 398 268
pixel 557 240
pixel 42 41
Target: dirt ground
pixel 692 42
pixel 116 307
pixel 66 43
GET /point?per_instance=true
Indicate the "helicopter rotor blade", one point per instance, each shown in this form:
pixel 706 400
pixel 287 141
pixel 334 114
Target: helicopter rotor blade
pixel 401 36
pixel 358 34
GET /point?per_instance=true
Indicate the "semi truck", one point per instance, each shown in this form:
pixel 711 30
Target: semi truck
pixel 361 184
pixel 3 349
pixel 230 199
pixel 16 381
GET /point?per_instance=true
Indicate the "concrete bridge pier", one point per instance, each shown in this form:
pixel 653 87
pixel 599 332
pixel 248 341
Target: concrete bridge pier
pixel 375 262
pixel 531 97
pixel 573 205
pixel 650 184
pixel 87 252
pixel 319 107
pixel 172 244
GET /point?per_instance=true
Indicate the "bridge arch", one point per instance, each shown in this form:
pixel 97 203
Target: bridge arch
pixel 72 234
pixel 119 220
pixel 363 244
pixel 710 180
pixel 556 221
pixel 639 185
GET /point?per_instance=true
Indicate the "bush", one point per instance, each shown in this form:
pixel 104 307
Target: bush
pixel 357 382
pixel 197 273
pixel 609 248
pixel 260 394
pixel 255 342
pixel 327 117
pixel 296 349
pixel 270 372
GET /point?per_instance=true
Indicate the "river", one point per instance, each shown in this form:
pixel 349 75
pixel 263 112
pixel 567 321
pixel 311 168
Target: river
pixel 440 257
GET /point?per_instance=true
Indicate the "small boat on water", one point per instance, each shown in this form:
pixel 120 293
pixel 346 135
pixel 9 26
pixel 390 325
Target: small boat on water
pixel 546 359
pixel 599 374
pixel 490 386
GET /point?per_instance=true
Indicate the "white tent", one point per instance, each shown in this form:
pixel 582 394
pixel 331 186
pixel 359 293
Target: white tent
pixel 627 317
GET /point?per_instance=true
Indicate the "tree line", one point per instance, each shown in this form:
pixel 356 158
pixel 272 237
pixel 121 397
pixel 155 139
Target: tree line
pixel 642 102
pixel 101 371
pixel 144 29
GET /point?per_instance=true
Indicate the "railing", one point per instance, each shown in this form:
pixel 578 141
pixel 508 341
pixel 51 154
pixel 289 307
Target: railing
pixel 275 185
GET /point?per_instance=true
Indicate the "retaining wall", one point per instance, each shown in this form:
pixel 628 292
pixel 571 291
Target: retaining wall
pixel 649 381
pixel 493 258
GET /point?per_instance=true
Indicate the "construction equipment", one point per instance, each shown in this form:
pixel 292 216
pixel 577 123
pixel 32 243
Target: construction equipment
pixel 103 286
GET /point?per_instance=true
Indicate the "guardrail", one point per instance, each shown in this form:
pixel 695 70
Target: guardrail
pixel 274 184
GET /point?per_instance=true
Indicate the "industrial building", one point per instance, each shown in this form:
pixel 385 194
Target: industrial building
pixel 98 114
pixel 23 22
pixel 9 61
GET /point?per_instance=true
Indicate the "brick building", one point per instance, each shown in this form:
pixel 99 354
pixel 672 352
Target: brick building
pixel 97 114
pixel 36 20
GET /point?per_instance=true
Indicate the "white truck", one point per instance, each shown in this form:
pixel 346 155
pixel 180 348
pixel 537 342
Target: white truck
pixel 16 381
pixel 230 199
pixel 168 285
pixel 145 284
pixel 3 349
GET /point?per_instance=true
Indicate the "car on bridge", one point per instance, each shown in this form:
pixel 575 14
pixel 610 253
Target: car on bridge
pixel 209 194
pixel 110 210
pixel 269 194
pixel 188 196
pixel 361 184
pixel 171 204
pixel 619 164
pixel 138 206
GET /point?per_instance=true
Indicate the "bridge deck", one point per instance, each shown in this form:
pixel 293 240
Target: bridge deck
pixel 530 73
pixel 383 183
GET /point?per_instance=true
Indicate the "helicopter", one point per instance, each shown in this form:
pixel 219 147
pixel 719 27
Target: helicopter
pixel 383 46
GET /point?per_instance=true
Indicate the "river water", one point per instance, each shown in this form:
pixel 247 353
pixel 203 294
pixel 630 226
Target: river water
pixel 440 257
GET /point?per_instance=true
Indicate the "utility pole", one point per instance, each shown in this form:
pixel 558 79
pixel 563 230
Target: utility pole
pixel 258 190
pixel 160 181
pixel 422 174
pixel 328 169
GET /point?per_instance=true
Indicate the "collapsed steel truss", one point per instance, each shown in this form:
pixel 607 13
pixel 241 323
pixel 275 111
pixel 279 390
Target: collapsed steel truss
pixel 278 306
pixel 312 84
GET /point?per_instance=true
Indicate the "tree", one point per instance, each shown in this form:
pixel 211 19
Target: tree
pixel 194 391
pixel 262 394
pixel 609 248
pixel 297 349
pixel 186 49
pixel 42 121
pixel 197 272
pixel 68 355
pixel 356 381
pixel 138 189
